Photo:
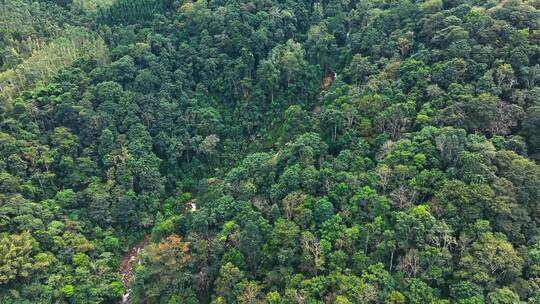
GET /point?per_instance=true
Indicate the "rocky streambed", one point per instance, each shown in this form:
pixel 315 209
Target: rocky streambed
pixel 129 261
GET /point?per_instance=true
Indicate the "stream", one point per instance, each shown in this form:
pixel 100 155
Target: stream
pixel 127 265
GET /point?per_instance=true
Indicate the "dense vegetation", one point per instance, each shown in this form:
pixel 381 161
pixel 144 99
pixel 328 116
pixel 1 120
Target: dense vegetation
pixel 337 151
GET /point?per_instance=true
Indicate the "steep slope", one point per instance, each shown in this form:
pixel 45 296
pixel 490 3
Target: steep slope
pixel 337 152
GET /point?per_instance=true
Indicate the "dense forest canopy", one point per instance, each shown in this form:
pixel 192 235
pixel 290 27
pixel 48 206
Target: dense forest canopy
pixel 270 151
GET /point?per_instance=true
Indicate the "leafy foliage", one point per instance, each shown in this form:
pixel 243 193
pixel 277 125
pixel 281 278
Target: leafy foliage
pixel 272 151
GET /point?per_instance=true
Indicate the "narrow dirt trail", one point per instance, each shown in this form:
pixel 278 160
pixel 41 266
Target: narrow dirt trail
pixel 128 263
pixel 326 82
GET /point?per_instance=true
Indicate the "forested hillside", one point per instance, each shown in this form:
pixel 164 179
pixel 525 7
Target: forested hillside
pixel 270 151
